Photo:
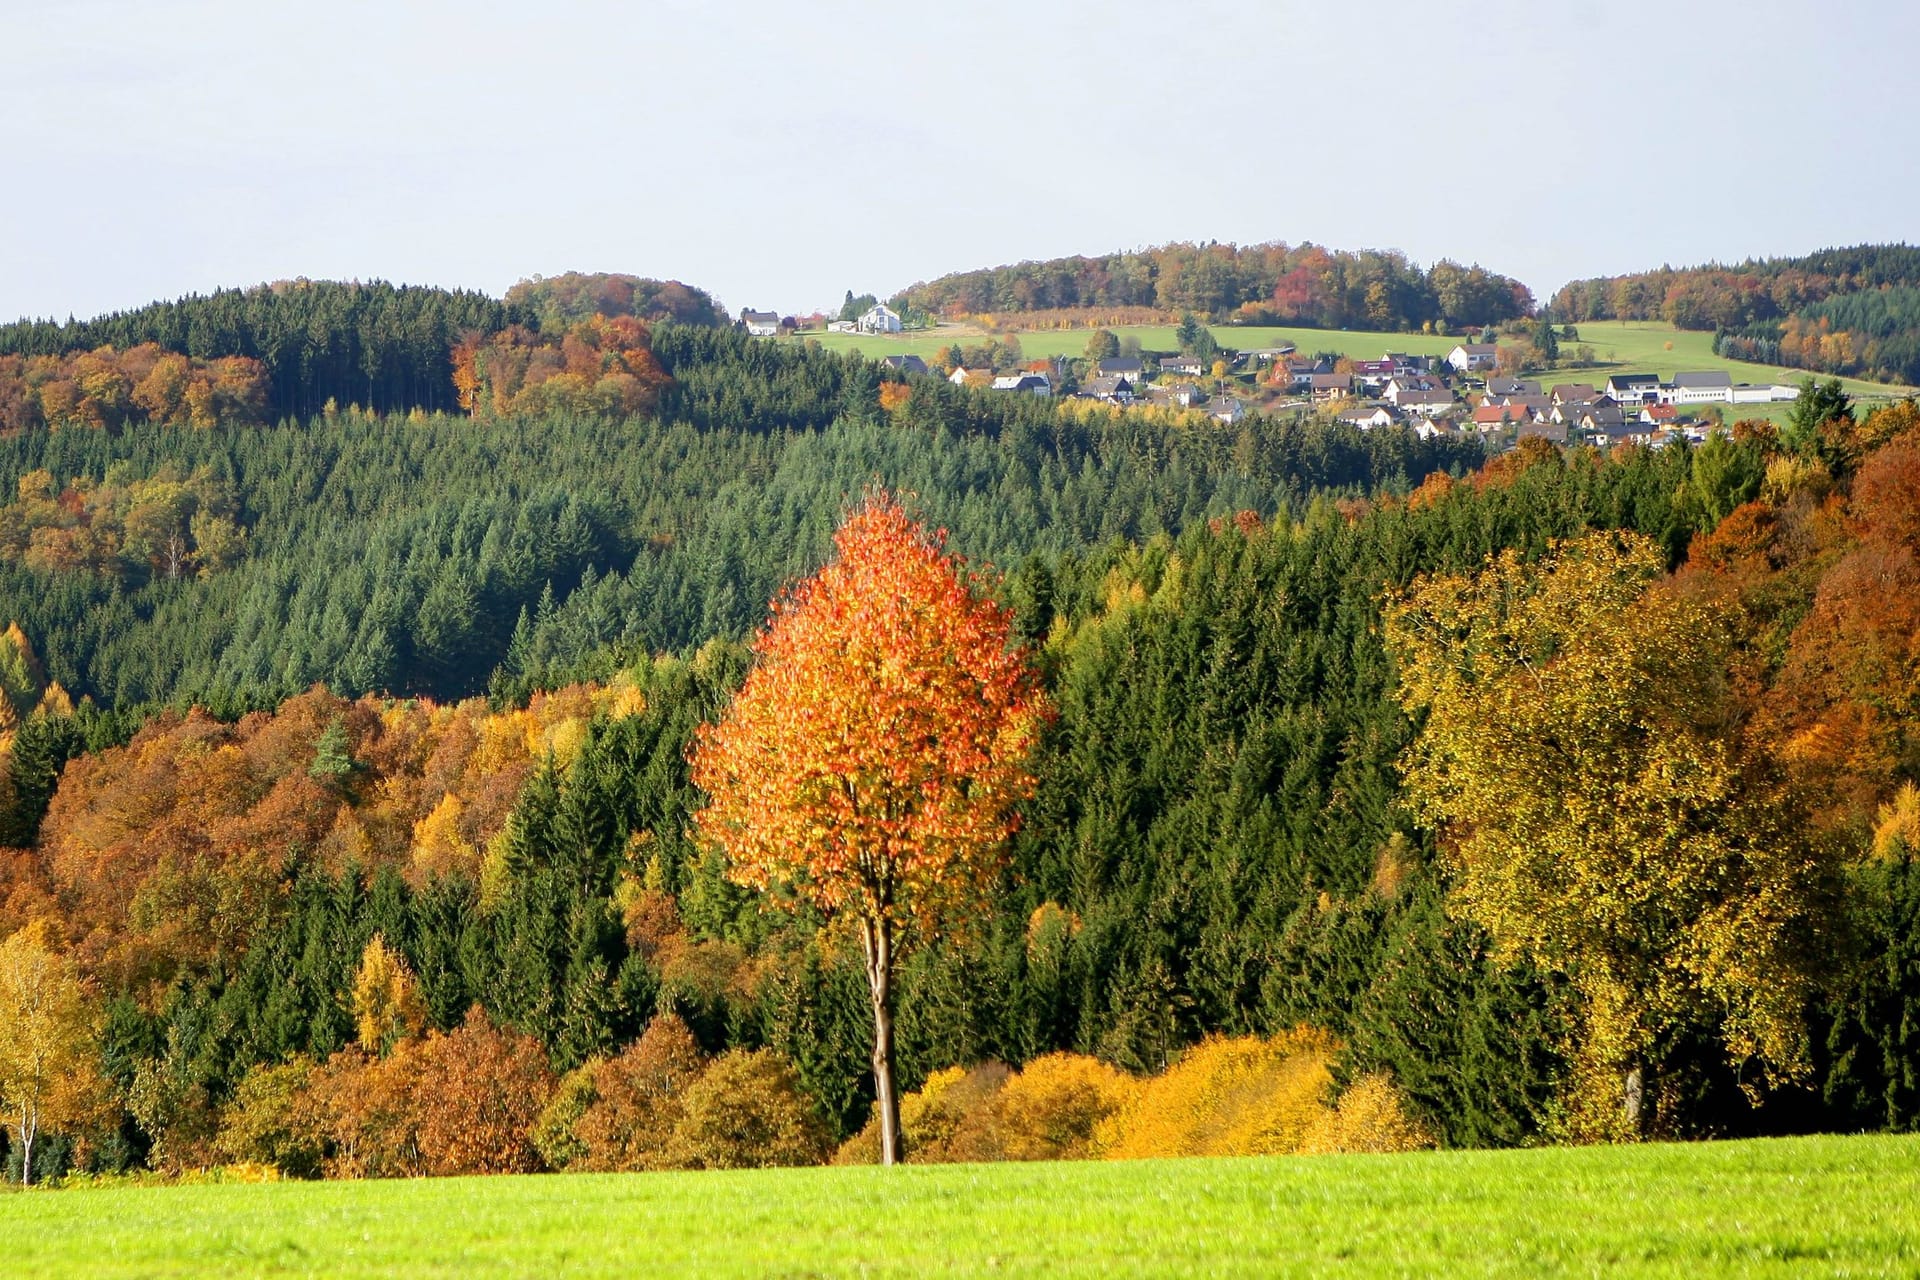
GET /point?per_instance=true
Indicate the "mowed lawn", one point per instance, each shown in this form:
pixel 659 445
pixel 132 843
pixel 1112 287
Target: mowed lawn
pixel 1793 1207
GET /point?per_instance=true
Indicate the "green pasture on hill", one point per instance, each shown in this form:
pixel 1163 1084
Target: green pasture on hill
pixel 1784 1207
pixel 1619 346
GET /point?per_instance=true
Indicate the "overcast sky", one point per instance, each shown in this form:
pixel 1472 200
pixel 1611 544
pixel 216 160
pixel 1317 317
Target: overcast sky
pixel 780 154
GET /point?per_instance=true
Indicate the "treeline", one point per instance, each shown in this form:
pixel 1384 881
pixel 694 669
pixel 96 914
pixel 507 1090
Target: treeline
pixel 390 555
pixel 1217 846
pixel 1256 284
pixel 108 390
pixel 385 348
pixel 1851 311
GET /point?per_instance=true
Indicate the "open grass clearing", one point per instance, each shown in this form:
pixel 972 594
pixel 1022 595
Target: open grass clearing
pixel 1827 1206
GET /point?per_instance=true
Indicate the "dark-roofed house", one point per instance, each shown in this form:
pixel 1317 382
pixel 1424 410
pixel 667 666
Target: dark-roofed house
pixel 1472 357
pixel 1711 387
pixel 1301 370
pixel 1497 387
pixel 1190 366
pixel 1606 425
pixel 1127 367
pixel 760 324
pixel 1368 416
pixel 1330 386
pixel 906 364
pixel 1036 383
pixel 1427 404
pixel 1574 393
pixel 1633 388
pixel 1552 432
pixel 1114 389
pixel 1226 409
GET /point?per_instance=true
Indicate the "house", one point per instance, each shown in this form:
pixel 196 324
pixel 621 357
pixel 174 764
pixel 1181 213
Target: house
pixel 1301 370
pixel 1537 406
pixel 1659 415
pixel 1128 367
pixel 843 326
pixel 1426 404
pixel 906 364
pixel 1330 386
pixel 1404 363
pixel 1633 388
pixel 1551 432
pixel 1574 393
pixel 1494 417
pixel 1112 389
pixel 1401 383
pixel 1606 425
pixel 1262 355
pixel 971 377
pixel 1368 416
pixel 1710 387
pixel 1373 372
pixel 1428 428
pixel 1186 366
pixel 880 318
pixel 760 324
pixel 1174 395
pixel 1499 388
pixel 1472 357
pixel 1226 409
pixel 1036 383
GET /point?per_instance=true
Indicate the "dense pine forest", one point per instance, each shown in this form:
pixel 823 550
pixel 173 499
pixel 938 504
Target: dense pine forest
pixel 349 760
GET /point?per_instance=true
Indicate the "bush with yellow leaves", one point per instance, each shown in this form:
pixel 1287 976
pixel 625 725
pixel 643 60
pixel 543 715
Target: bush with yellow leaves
pixel 1371 1116
pixel 1228 1097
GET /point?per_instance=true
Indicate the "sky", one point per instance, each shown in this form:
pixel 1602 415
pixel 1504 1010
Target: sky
pixel 781 154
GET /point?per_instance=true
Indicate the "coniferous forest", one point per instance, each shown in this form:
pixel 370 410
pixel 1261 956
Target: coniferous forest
pixel 349 734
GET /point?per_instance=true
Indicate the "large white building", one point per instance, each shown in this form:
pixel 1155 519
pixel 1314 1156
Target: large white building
pixel 880 318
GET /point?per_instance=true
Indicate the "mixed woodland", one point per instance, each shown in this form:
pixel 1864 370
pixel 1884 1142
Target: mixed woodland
pixel 1391 795
pixel 1840 311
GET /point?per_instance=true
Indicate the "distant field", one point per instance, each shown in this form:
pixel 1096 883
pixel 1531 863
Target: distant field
pixel 1619 346
pixel 1824 1206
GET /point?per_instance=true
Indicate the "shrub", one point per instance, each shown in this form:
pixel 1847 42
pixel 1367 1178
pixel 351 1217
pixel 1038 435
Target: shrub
pixel 269 1123
pixel 477 1092
pixel 747 1111
pixel 1049 1111
pixel 556 1133
pixel 932 1117
pixel 1371 1116
pixel 637 1099
pixel 1226 1097
pixel 361 1107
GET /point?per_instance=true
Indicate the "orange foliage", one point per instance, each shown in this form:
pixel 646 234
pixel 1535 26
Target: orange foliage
pixel 172 850
pixel 1228 1098
pixel 638 1099
pixel 876 753
pixel 475 1095
pixel 108 389
pixel 600 365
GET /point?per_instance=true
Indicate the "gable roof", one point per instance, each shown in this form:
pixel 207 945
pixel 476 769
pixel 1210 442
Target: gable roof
pixel 1635 380
pixel 1117 365
pixel 1707 378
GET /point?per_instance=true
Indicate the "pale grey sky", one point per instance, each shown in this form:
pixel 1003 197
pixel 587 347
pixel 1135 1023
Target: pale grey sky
pixel 778 154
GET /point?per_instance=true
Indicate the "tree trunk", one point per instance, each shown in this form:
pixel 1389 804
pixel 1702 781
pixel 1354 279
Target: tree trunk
pixel 1632 1101
pixel 28 1127
pixel 878 937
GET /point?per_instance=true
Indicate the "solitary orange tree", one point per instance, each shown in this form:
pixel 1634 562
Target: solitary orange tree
pixel 873 761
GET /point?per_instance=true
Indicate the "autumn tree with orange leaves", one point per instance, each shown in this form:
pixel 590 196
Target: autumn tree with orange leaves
pixel 873 761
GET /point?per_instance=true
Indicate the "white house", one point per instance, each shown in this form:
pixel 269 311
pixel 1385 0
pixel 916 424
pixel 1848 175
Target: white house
pixel 843 326
pixel 1711 387
pixel 1190 366
pixel 1471 357
pixel 1226 409
pixel 1369 416
pixel 760 324
pixel 880 318
pixel 1633 388
pixel 1427 404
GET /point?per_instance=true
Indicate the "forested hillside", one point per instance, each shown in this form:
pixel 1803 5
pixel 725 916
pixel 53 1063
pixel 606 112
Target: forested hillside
pixel 349 917
pixel 1851 311
pixel 1254 284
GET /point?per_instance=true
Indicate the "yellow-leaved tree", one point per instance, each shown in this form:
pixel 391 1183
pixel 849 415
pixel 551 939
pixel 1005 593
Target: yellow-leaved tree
pixel 1583 755
pixel 46 1041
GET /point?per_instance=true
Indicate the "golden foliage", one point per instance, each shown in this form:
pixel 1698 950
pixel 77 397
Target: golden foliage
pixel 1371 1116
pixel 747 1111
pixel 1228 1097
pixel 49 1073
pixel 386 1001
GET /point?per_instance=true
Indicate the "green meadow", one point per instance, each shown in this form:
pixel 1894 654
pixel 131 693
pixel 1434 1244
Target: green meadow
pixel 1781 1207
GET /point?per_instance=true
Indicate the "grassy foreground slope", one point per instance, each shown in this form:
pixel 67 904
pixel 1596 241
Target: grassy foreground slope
pixel 1827 1206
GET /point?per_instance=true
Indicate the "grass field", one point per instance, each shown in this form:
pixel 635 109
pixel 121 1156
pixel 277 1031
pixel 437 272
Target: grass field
pixel 1812 1206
